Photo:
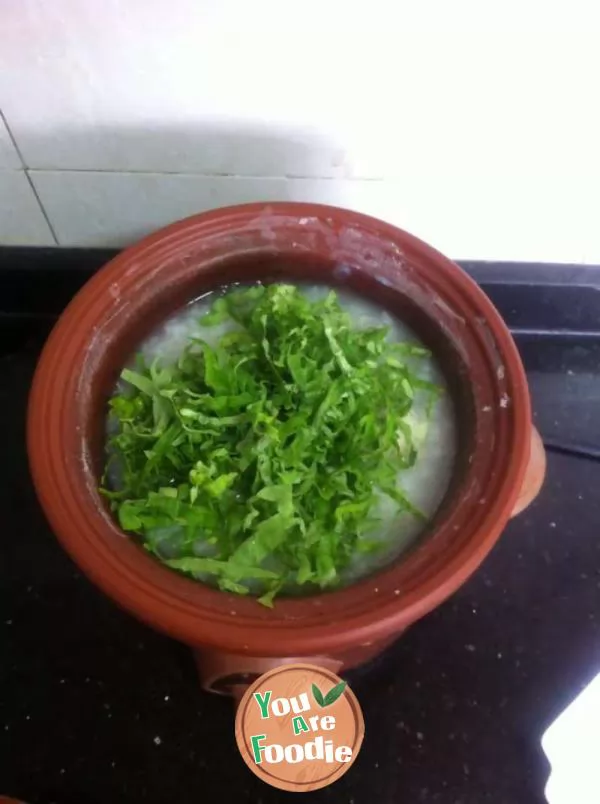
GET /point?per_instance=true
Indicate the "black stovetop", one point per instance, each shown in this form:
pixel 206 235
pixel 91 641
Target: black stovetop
pixel 96 708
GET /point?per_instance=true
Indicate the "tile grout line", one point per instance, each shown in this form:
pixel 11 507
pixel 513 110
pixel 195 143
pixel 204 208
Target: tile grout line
pixel 28 178
pixel 201 175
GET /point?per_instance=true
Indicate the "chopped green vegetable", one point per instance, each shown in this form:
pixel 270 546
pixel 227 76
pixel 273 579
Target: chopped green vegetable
pixel 259 462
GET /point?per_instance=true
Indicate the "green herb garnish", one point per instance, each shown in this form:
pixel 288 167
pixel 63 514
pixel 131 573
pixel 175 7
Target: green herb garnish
pixel 258 463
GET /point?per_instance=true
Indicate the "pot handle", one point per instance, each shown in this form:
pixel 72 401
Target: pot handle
pixel 231 674
pixel 534 474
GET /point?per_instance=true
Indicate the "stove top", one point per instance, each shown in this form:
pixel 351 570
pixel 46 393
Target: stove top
pixel 97 708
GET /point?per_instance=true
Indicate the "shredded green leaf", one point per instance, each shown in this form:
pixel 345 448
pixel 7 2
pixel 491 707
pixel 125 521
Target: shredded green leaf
pixel 258 463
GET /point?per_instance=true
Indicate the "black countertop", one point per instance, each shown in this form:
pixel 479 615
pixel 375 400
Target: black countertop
pixel 96 708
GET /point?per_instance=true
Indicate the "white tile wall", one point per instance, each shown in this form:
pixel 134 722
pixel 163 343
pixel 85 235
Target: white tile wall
pixel 500 217
pixel 475 125
pixel 21 219
pixel 240 88
pixel 108 208
pixel 9 158
pixel 170 86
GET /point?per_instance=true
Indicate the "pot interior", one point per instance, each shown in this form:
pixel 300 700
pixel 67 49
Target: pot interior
pixel 136 324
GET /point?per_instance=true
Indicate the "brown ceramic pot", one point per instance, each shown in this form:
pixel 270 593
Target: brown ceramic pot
pixel 235 638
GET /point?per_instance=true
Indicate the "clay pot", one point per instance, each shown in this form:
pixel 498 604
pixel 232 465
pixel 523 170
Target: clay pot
pixel 235 638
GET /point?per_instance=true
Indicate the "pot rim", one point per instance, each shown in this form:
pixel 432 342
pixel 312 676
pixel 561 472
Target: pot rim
pixel 362 613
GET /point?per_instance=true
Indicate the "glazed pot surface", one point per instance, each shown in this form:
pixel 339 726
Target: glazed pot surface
pixel 132 294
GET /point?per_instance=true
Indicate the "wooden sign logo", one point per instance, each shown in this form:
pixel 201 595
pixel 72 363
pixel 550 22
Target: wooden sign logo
pixel 299 727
